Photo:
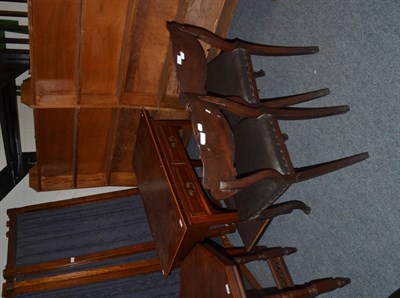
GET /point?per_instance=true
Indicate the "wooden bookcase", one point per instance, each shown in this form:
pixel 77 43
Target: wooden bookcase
pixel 94 65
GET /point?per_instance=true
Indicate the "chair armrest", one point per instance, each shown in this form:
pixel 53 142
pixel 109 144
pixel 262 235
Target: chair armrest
pixel 204 35
pixel 239 184
pixel 233 105
pixel 230 104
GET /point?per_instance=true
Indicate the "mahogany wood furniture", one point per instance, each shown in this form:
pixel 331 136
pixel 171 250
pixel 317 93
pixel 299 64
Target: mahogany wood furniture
pixel 179 213
pixel 94 65
pixel 242 149
pixel 253 151
pixel 78 242
pixel 210 271
pixel 175 202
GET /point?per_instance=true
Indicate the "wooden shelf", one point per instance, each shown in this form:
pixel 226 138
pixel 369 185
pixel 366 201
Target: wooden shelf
pixel 94 65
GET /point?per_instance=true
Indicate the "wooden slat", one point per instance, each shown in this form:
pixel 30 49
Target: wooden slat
pixel 75 201
pixel 86 277
pixel 55 137
pixel 94 133
pixel 150 42
pixel 20 14
pixel 56 48
pixel 103 32
pixel 91 54
pixel 80 260
pixel 121 168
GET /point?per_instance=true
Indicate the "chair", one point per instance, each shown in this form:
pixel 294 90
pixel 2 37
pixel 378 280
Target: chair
pixel 231 72
pixel 250 171
pixel 212 271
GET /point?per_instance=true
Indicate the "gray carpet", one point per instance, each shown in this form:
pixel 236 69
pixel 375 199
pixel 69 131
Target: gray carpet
pixel 89 228
pixel 353 229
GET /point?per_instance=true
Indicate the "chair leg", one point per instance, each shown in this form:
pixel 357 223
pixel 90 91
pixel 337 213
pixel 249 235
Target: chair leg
pixel 313 171
pixel 235 105
pixel 252 48
pixel 315 288
pixel 308 113
pixel 283 208
pixel 285 101
pixel 264 254
pixel 268 50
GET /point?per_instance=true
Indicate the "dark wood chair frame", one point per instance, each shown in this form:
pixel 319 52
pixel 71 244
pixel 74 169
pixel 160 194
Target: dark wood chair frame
pixel 231 260
pixel 212 130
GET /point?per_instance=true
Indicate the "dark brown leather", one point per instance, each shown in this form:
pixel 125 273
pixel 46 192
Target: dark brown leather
pixel 256 144
pixel 257 147
pixel 229 75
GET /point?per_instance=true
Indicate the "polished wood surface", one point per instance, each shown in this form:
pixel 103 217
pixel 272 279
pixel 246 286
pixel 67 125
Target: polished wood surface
pixel 206 272
pixel 84 277
pixel 112 57
pixel 213 271
pixel 178 211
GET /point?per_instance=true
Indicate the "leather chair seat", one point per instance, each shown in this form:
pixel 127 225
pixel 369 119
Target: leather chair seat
pixel 266 152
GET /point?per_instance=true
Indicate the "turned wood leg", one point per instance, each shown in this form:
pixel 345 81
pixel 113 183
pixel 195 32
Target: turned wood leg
pixel 264 254
pixel 315 288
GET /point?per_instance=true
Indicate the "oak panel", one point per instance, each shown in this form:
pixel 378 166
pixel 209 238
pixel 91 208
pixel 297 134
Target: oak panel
pixel 55 138
pixel 55 47
pixel 95 128
pixel 124 144
pixel 150 40
pixel 104 55
pixel 104 24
